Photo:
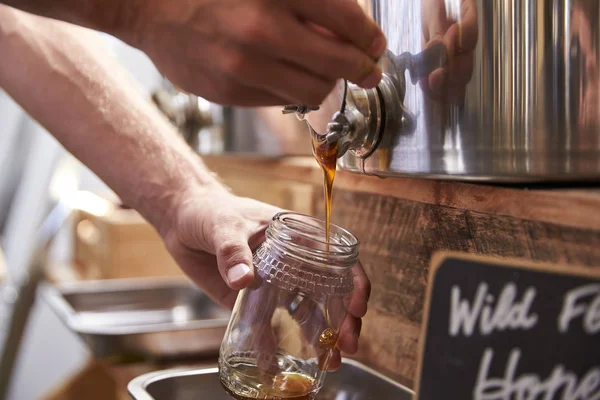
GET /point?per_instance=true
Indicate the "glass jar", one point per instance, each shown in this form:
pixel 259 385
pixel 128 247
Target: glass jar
pixel 284 327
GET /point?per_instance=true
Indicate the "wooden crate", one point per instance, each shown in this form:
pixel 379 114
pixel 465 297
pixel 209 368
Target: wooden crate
pixel 112 242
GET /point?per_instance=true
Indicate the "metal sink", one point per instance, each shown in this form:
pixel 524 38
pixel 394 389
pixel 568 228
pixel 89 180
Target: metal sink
pixel 353 381
pixel 131 319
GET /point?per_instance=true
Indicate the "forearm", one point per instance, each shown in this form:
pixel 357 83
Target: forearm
pixel 105 15
pixel 61 76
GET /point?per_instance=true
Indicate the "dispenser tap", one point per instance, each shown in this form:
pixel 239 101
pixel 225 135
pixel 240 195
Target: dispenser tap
pixel 188 113
pixel 420 65
pixel 356 118
pixel 338 128
pixel 300 110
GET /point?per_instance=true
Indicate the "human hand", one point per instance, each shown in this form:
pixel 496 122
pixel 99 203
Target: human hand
pixel 259 52
pixel 458 31
pixel 212 234
pixel 589 70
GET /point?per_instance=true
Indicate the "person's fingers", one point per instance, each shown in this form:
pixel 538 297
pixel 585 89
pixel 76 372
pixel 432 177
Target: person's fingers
pixel 345 19
pixel 468 26
pixel 335 360
pixel 436 21
pixel 349 333
pixel 449 83
pixel 357 305
pixel 459 36
pixel 199 267
pixel 460 71
pixel 201 75
pixel 267 53
pixel 437 81
pixel 234 256
pixel 280 78
pixel 331 58
pixel 456 41
pixel 244 96
pixel 220 89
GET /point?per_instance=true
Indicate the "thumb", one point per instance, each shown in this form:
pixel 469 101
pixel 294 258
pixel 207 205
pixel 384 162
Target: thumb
pixel 234 258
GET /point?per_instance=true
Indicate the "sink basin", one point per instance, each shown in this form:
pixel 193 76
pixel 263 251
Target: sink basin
pixel 140 318
pixel 353 381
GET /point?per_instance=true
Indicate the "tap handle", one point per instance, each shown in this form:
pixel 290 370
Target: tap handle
pixel 299 109
pixel 420 65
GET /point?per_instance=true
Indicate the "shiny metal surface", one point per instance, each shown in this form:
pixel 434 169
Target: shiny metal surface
pixel 154 318
pixel 352 381
pixel 200 123
pixel 517 99
pixel 186 112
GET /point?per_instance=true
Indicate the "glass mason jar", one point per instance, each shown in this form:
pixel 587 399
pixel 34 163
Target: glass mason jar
pixel 284 327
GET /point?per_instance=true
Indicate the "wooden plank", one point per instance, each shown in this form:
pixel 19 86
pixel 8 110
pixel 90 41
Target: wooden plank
pixel 574 207
pixel 294 196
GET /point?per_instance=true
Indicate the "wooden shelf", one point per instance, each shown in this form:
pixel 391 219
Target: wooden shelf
pixel 571 207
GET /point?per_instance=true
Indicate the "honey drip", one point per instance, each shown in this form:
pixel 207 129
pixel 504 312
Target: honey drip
pixel 326 155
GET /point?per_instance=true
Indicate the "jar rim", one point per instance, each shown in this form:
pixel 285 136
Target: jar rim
pixel 290 229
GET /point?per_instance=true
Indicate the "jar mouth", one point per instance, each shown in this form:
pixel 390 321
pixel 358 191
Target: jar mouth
pixel 306 237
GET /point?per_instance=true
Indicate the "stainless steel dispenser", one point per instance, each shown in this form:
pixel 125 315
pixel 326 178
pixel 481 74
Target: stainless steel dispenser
pixel 199 122
pixel 209 128
pixel 502 90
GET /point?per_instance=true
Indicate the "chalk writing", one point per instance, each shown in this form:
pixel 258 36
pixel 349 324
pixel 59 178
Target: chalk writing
pixel 572 309
pixel 530 386
pixel 507 313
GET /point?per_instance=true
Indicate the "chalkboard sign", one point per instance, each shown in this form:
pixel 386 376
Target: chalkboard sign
pixel 504 330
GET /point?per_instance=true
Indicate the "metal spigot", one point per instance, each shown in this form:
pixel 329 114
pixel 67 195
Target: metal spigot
pixel 185 112
pixel 338 128
pixel 357 118
pixel 353 126
pixel 421 65
pixel 300 110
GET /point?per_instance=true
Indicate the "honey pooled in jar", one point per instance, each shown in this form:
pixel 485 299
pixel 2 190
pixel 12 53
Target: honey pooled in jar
pixel 284 386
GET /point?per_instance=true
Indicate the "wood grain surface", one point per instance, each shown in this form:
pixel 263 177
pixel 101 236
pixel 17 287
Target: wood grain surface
pixel 573 207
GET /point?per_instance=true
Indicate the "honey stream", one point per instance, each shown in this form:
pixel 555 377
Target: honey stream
pixel 326 155
pixel 296 386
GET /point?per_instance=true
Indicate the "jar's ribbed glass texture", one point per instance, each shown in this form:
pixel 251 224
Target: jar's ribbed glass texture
pixel 284 326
